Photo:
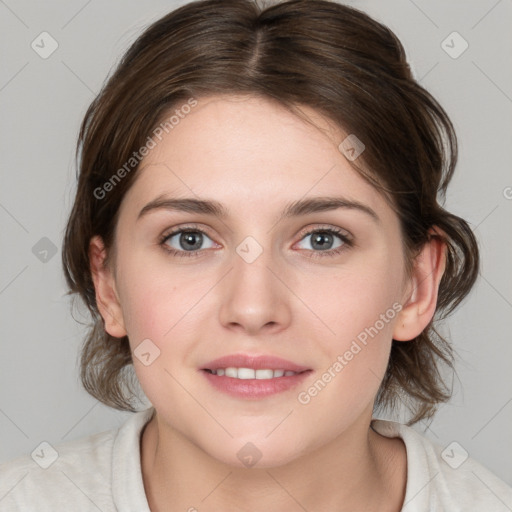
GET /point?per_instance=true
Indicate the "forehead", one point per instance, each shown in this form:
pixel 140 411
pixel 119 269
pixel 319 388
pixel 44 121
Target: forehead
pixel 250 152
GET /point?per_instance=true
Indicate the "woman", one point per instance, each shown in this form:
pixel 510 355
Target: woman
pixel 256 232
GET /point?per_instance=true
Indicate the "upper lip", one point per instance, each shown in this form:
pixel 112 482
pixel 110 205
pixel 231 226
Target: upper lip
pixel 257 362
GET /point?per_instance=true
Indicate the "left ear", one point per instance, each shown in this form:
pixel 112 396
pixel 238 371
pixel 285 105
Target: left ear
pixel 420 306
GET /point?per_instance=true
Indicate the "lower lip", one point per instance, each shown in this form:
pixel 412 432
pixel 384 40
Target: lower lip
pixel 254 388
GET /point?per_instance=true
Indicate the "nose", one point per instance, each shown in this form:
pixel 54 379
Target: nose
pixel 254 298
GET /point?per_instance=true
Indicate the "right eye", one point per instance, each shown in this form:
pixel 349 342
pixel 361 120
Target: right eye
pixel 185 242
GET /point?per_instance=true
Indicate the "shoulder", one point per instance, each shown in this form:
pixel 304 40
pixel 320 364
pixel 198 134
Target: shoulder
pixel 74 475
pixel 70 474
pixel 445 478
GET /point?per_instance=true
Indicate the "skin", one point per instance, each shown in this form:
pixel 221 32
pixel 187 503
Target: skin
pixel 255 157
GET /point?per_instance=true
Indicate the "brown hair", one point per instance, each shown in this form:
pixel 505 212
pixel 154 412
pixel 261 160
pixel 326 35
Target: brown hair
pixel 318 53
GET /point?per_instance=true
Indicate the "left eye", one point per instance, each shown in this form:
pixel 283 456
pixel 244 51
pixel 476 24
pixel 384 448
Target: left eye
pixel 323 239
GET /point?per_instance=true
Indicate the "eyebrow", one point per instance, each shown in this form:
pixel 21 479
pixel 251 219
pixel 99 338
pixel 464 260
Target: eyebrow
pixel 294 209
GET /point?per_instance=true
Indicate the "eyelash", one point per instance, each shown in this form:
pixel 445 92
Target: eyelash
pixel 347 242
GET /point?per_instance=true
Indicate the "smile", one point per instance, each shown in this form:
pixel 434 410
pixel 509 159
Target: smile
pixel 254 376
pixel 251 373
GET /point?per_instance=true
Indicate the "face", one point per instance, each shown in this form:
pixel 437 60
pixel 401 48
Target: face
pixel 318 288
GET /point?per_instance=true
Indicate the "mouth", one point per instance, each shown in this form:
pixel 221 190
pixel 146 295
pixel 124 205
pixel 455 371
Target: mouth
pixel 253 377
pixel 251 373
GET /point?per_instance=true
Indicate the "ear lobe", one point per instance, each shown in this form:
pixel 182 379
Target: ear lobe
pixel 420 306
pixel 104 286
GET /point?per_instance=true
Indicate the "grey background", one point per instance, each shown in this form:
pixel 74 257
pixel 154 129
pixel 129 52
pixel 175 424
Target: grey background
pixel 42 102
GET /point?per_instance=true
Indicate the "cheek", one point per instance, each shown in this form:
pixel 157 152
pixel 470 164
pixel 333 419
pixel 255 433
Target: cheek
pixel 155 300
pixel 359 306
pixel 158 310
pixel 358 298
pixel 361 312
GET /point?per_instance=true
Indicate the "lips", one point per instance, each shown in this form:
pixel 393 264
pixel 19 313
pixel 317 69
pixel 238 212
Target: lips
pixel 253 377
pixel 260 362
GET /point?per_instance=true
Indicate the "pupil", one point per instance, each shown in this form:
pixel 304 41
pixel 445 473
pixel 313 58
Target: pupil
pixel 193 239
pixel 321 239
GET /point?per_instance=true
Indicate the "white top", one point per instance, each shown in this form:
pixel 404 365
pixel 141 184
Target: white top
pixel 103 472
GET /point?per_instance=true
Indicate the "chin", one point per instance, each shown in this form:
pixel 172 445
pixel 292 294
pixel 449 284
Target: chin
pixel 257 452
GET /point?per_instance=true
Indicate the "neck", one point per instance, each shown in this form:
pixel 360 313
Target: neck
pixel 358 470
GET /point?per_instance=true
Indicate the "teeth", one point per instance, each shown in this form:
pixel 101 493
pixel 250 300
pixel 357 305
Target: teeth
pixel 232 372
pixel 250 373
pixel 245 373
pixel 264 374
